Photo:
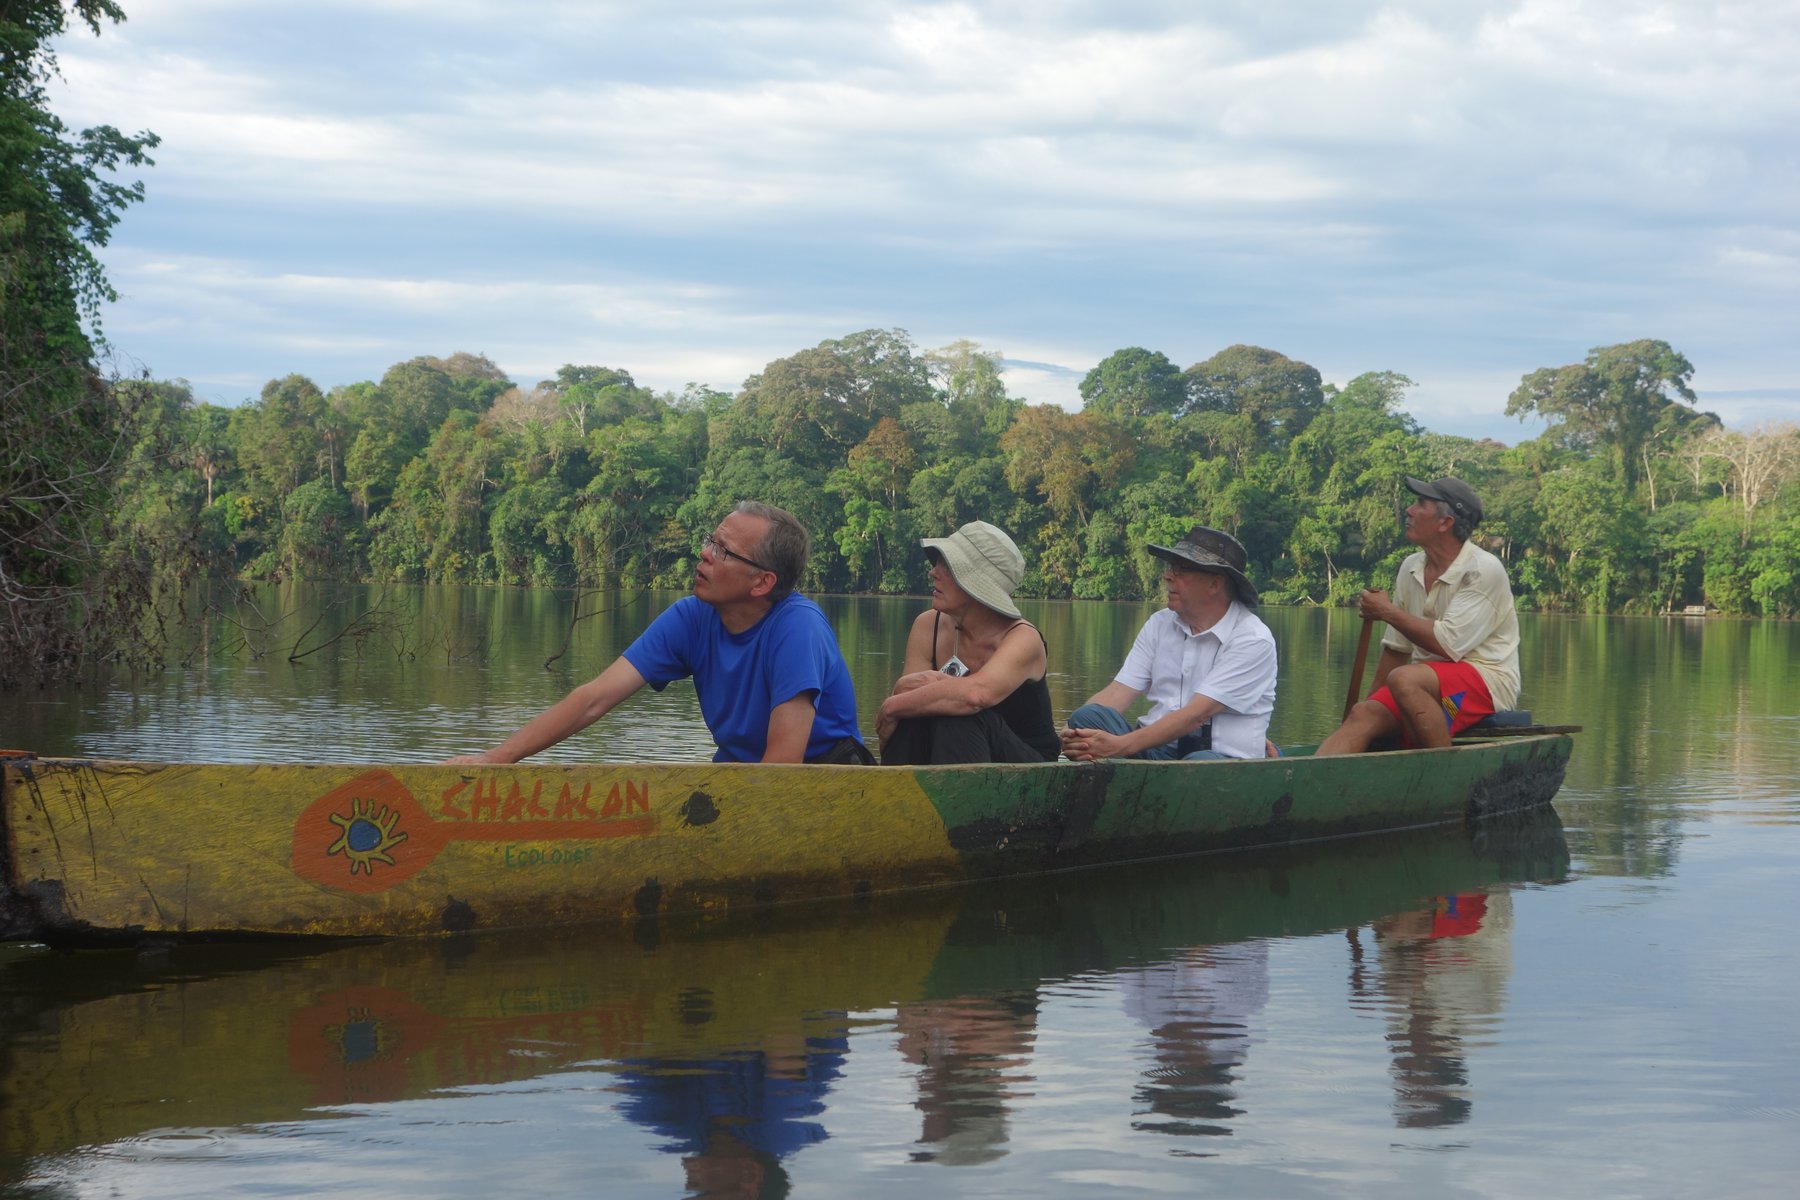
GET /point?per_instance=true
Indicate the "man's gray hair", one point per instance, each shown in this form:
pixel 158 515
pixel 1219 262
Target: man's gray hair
pixel 784 549
pixel 1462 528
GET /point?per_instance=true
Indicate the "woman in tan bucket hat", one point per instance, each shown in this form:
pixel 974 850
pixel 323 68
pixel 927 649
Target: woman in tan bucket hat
pixel 972 688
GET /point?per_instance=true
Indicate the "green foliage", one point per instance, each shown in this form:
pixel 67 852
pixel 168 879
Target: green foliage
pixel 529 534
pixel 1134 383
pixel 813 407
pixel 590 480
pixel 276 436
pixel 970 399
pixel 317 538
pixel 1589 538
pixel 1726 576
pixel 1774 568
pixel 73 588
pixel 1623 403
pixel 1268 397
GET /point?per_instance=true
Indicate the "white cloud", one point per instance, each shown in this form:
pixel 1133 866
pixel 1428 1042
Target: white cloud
pixel 1761 257
pixel 1467 190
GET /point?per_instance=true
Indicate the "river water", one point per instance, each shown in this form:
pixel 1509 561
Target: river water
pixel 1598 1000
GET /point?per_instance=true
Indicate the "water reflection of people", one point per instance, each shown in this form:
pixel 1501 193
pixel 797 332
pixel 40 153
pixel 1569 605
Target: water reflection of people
pixel 1442 977
pixel 1203 1009
pixel 970 1052
pixel 736 1115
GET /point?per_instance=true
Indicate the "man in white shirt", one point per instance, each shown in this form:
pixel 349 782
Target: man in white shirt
pixel 1206 664
pixel 1451 652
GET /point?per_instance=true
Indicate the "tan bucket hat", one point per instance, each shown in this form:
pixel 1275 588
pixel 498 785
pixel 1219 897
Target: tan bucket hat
pixel 984 562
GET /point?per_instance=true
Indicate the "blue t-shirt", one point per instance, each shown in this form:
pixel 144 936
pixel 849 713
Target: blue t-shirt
pixel 686 1100
pixel 742 677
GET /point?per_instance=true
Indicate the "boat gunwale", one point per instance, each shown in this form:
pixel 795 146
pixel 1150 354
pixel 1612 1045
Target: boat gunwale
pixel 23 759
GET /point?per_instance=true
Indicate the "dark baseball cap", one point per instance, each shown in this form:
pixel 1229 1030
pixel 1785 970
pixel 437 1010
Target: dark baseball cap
pixel 1452 491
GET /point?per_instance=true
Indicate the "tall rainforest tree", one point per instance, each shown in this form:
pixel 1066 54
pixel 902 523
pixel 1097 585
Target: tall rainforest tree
pixel 1134 382
pixel 71 591
pixel 1259 399
pixel 969 391
pixel 1619 403
pixel 796 422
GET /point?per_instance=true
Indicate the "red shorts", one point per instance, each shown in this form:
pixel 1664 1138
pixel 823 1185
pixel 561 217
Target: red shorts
pixel 1457 916
pixel 1461 690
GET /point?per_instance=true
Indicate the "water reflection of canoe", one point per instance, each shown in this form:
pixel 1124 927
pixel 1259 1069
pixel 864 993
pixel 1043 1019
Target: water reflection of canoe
pixel 97 849
pixel 104 1045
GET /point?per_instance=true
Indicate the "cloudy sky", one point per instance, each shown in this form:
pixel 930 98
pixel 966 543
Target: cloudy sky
pixel 1459 190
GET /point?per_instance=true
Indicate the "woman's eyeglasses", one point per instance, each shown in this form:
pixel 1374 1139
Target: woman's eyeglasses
pixel 722 550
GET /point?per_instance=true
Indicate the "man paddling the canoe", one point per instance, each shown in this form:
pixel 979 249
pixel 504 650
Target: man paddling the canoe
pixel 1451 652
pixel 1206 663
pixel 772 682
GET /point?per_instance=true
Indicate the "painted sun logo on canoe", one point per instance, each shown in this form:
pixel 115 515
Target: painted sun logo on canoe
pixel 363 1037
pixel 368 835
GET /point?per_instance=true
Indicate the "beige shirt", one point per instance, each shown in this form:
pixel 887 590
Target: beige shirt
pixel 1471 610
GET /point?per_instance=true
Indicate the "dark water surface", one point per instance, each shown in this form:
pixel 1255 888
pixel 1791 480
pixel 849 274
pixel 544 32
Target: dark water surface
pixel 1597 1001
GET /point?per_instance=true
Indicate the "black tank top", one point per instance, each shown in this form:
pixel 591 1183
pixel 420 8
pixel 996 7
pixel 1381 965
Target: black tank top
pixel 1026 710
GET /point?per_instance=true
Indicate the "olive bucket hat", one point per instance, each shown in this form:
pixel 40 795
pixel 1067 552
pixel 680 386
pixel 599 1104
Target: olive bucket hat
pixel 985 564
pixel 1212 550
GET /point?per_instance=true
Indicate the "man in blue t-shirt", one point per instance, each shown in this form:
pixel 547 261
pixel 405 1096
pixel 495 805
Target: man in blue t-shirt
pixel 772 682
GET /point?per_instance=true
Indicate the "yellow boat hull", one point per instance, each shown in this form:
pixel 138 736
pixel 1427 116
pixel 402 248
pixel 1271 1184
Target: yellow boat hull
pixel 96 849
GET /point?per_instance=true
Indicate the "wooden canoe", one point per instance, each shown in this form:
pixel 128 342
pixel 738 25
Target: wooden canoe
pixel 96 849
pixel 107 1045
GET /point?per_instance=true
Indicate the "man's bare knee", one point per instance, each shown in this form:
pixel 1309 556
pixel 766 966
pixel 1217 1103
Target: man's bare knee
pixel 1373 717
pixel 1366 721
pixel 1414 681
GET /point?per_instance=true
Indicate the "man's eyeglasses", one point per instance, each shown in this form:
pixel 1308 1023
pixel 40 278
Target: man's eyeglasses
pixel 722 550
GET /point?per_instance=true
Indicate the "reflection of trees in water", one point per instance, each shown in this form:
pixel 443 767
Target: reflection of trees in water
pixel 1675 713
pixel 971 1052
pixel 1441 979
pixel 1202 1009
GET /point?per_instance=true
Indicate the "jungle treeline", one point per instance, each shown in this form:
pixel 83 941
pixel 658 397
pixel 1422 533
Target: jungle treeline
pixel 446 471
pixel 118 495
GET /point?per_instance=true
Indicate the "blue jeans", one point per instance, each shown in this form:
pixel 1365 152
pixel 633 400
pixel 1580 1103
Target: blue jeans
pixel 1100 716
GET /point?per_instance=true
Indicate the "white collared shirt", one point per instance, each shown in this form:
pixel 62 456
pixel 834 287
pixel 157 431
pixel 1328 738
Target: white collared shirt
pixel 1232 663
pixel 1471 611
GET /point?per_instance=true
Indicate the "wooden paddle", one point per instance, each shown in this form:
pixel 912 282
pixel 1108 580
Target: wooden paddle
pixel 1356 673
